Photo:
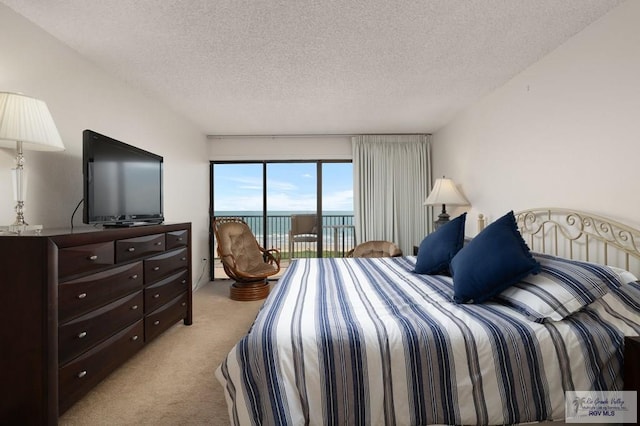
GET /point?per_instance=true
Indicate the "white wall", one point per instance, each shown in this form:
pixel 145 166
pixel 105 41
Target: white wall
pixel 280 148
pixel 564 133
pixel 81 96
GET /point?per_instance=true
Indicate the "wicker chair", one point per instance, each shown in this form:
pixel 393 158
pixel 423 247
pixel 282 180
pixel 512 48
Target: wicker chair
pixel 244 260
pixel 375 249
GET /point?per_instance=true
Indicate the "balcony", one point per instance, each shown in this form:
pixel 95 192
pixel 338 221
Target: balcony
pixel 337 237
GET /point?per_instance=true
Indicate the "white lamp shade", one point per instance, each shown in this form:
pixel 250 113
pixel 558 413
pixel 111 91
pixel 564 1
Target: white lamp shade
pixel 445 192
pixel 27 120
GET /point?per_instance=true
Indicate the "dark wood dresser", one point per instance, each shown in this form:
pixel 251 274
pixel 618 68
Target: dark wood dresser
pixel 76 305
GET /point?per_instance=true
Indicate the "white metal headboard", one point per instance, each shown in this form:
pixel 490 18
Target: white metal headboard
pixel 581 236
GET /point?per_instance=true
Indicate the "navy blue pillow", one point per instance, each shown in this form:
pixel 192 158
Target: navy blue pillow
pixel 438 248
pixel 495 259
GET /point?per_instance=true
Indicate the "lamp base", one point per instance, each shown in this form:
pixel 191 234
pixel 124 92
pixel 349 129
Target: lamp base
pixel 442 219
pixel 20 229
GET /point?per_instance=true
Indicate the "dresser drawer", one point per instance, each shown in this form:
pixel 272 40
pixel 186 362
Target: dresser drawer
pixel 135 248
pixel 177 239
pixel 82 259
pixel 82 333
pixel 164 317
pixel 164 264
pixel 83 294
pixel 164 290
pixel 83 373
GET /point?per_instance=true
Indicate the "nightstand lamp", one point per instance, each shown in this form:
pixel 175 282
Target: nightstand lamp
pixel 26 124
pixel 445 192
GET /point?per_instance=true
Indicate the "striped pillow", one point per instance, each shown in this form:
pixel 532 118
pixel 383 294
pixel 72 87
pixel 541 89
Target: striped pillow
pixel 562 287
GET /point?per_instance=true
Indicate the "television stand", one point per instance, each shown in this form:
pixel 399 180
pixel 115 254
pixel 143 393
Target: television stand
pixel 77 305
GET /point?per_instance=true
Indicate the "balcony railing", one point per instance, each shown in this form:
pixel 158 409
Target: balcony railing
pixel 337 235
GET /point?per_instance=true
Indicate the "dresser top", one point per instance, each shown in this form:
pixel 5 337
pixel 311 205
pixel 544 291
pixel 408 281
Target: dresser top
pixel 86 234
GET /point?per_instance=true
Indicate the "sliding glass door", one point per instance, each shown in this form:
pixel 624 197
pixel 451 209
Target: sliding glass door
pixel 239 192
pixel 337 207
pixel 302 208
pixel 293 208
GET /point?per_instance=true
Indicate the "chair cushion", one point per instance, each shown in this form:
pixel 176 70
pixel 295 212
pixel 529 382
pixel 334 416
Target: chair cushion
pixel 236 238
pixel 376 248
pixel 262 268
pixel 494 260
pixel 438 248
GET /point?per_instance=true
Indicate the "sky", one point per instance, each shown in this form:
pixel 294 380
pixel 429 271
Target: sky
pixel 290 187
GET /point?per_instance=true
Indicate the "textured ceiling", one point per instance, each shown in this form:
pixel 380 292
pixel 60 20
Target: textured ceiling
pixel 314 67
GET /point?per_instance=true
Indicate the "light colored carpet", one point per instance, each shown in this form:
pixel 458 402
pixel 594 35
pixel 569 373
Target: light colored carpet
pixel 171 380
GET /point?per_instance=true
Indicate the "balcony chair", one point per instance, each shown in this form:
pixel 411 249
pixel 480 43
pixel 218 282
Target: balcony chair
pixel 244 260
pixel 304 228
pixel 375 249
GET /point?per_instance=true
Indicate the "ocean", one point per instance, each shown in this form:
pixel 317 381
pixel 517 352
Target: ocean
pixel 337 227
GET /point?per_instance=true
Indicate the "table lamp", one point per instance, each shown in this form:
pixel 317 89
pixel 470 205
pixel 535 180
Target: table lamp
pixel 445 192
pixel 26 124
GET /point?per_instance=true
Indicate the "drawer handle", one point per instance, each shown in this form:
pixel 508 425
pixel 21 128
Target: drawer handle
pixel 82 334
pixel 131 249
pixel 82 295
pixel 157 268
pixel 134 338
pixel 134 307
pixel 184 303
pixel 156 322
pixel 179 238
pixel 82 374
pixel 93 257
pixel 183 259
pixel 134 277
pixel 155 296
pixel 159 243
pixel 184 281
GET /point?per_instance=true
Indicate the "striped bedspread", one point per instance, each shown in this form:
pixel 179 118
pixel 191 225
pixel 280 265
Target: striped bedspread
pixel 368 342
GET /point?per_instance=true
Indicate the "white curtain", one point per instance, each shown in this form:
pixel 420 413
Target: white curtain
pixel 391 179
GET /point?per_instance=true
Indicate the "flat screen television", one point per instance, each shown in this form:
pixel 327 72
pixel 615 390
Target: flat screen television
pixel 122 183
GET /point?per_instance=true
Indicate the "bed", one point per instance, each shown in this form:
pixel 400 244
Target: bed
pixel 361 341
